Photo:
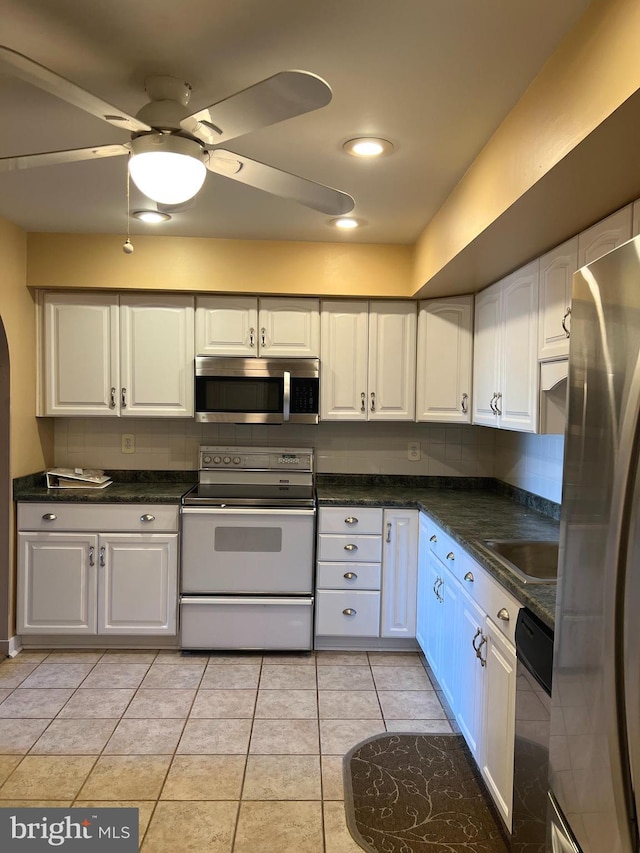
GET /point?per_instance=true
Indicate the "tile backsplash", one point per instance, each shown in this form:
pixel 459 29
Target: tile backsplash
pixel 531 462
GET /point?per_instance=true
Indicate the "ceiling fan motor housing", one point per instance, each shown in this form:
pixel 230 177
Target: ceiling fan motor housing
pixel 168 106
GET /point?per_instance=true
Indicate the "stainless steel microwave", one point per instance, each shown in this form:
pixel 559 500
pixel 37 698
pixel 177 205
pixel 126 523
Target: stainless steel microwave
pixel 257 390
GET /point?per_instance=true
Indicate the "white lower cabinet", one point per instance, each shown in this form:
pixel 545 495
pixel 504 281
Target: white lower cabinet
pixel 399 573
pixel 471 655
pixel 75 582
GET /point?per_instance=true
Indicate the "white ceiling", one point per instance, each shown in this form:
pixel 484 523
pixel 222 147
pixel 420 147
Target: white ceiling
pixel 436 77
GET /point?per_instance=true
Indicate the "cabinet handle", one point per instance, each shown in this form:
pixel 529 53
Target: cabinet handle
pixel 112 403
pixel 363 404
pixel 123 398
pixel 49 516
pixel 433 538
pixel 435 592
pixel 351 520
pixel 350 576
pixel 388 531
pixel 440 585
pixel 451 556
pixel 350 547
pixel 263 335
pixel 495 394
pixel 503 614
pixel 483 661
pixel 92 552
pixel 469 577
pixel 498 409
pixel 146 518
pixel 102 555
pixel 373 401
pixel 567 314
pixel 473 642
pixel 252 341
pixel 463 404
pixel 349 611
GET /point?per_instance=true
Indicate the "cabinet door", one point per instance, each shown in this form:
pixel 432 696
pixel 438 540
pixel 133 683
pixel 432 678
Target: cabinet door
pixel 434 615
pixel 399 573
pixel 423 581
pixel 444 360
pixel 604 236
pixel 156 361
pixel 556 277
pixel 449 592
pixel 56 583
pixel 227 325
pixel 517 403
pixel 138 586
pixel 343 373
pixel 468 701
pixel 290 327
pixel 499 715
pixel 80 354
pixel 392 361
pixel 486 355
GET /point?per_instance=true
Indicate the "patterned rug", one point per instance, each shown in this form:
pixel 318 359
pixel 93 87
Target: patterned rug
pixel 409 793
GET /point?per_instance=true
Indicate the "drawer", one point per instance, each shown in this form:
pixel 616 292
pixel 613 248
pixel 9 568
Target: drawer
pixel 493 599
pixel 348 576
pixel 338 548
pixel 345 519
pixel 448 551
pixel 361 619
pixel 98 518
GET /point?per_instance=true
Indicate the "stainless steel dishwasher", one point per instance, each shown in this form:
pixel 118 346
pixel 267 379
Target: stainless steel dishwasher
pixel 534 651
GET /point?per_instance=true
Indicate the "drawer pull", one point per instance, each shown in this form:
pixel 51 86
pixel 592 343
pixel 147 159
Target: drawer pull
pixel 350 547
pixel 351 520
pixel 350 576
pixel 433 538
pixel 451 556
pixel 146 517
pixel 503 614
pixel 469 577
pixel 349 611
pixel 49 516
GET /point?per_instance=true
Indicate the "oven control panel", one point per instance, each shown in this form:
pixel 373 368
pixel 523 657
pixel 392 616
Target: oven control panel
pixel 214 458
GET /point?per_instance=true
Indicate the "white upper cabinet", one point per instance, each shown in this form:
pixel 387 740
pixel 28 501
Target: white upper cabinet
pixel 556 278
pixel 444 360
pixel 368 360
pixel 115 356
pixel 247 326
pixel 605 236
pixel 505 371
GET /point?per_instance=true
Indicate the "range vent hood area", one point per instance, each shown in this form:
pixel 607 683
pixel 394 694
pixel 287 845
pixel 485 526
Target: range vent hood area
pixel 553 396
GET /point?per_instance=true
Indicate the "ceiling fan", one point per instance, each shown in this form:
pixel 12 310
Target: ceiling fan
pixel 171 149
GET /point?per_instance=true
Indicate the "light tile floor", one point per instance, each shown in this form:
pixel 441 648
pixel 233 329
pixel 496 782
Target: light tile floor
pixel 219 752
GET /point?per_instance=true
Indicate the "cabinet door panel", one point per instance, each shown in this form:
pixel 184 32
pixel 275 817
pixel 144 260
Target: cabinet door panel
pixel 138 584
pixel 156 356
pixel 80 357
pixel 605 236
pixel 422 604
pixel 227 325
pixel 556 276
pixel 392 361
pixel 444 360
pixel 343 374
pixel 486 355
pixel 56 583
pixel 290 327
pixel 434 615
pixel 468 702
pixel 399 573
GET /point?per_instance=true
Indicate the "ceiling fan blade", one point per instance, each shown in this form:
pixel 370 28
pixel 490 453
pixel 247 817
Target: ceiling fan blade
pixel 277 182
pixel 285 95
pixel 32 72
pixel 54 158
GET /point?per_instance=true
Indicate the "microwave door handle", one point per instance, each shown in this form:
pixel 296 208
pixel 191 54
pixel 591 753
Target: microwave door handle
pixel 286 400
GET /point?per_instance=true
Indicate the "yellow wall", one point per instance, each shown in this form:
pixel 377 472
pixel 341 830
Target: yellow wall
pixel 209 264
pixel 590 75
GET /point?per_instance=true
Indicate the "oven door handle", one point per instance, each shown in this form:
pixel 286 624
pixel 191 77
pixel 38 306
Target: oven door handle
pixel 255 600
pixel 286 398
pixel 236 510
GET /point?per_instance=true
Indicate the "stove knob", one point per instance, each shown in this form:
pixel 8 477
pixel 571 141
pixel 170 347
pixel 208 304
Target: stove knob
pixel 236 460
pixel 206 459
pixel 226 460
pixel 217 460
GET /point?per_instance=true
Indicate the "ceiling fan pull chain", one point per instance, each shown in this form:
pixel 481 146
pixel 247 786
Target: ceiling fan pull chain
pixel 127 246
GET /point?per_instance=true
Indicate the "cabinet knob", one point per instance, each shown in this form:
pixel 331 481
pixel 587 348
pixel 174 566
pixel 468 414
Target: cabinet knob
pixel 503 614
pixel 469 577
pixel 49 516
pixel 351 520
pixel 349 611
pixel 350 576
pixel 350 547
pixel 146 518
pixel 451 556
pixel 433 538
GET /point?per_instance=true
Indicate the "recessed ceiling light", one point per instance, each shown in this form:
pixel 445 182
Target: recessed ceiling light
pixel 368 146
pixel 345 222
pixel 153 216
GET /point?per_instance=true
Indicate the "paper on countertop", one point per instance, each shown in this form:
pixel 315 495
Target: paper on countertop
pixel 76 478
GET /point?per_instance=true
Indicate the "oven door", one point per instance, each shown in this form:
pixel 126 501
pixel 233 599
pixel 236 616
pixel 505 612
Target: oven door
pixel 235 550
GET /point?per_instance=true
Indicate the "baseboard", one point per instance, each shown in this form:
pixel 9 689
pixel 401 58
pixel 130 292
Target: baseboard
pixel 11 647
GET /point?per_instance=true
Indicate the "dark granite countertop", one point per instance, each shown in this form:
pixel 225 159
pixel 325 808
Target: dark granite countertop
pixel 127 487
pixel 472 509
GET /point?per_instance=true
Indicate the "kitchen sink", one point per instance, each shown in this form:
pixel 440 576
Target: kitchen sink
pixel 531 560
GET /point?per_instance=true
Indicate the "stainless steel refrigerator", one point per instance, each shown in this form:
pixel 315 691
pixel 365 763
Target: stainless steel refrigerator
pixel 595 716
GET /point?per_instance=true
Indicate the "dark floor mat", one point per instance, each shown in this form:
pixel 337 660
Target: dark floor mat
pixel 408 793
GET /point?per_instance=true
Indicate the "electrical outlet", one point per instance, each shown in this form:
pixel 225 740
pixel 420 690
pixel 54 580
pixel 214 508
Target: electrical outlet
pixel 413 451
pixel 128 443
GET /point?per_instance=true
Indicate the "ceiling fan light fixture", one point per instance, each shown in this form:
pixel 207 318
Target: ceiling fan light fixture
pixel 167 168
pixel 151 216
pixel 345 223
pixel 368 147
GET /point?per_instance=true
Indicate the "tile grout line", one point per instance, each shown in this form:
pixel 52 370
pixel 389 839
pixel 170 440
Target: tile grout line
pixel 246 761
